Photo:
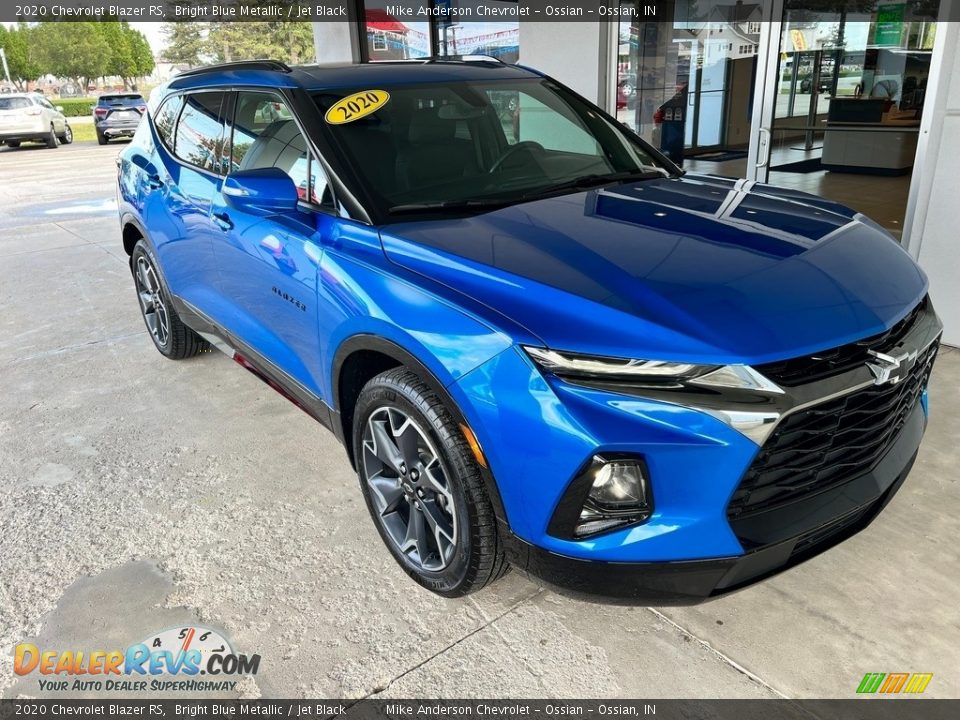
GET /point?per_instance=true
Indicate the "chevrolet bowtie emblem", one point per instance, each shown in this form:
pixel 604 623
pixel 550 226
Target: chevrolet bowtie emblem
pixel 890 368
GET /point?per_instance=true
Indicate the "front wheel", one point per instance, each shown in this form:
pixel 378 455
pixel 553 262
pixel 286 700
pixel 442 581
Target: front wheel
pixel 67 136
pixel 423 486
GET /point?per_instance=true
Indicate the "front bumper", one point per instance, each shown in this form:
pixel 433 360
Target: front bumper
pixel 826 520
pixel 536 431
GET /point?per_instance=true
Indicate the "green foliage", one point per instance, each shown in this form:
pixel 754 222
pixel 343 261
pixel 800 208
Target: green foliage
pixel 76 107
pixel 72 49
pixel 193 43
pixel 21 57
pixel 185 42
pixel 290 42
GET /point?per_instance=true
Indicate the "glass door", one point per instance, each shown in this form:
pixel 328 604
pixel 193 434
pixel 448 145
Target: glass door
pixel 687 85
pixel 839 107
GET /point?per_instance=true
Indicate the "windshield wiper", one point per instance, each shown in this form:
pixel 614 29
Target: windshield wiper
pixel 451 205
pixel 594 180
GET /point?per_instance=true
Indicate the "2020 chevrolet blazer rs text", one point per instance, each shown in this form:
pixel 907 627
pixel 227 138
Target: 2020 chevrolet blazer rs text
pixel 541 343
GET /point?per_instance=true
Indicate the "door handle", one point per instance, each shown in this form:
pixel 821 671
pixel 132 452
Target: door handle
pixel 154 182
pixel 223 221
pixel 763 147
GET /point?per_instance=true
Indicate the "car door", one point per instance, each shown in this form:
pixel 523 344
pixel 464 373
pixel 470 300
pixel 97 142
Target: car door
pixel 52 116
pixel 269 266
pixel 187 174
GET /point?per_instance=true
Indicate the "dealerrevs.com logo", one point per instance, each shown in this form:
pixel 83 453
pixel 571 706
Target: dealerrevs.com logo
pixel 169 661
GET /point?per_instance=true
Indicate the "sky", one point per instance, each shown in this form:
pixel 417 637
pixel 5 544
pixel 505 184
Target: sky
pixel 154 33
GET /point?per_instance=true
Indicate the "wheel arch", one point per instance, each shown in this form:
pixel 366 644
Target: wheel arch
pixel 362 357
pixel 132 230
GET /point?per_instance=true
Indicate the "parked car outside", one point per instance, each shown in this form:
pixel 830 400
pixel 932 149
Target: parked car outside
pixel 117 115
pixel 554 351
pixel 29 117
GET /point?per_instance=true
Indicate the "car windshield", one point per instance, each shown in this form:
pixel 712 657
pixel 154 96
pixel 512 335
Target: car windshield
pixel 473 145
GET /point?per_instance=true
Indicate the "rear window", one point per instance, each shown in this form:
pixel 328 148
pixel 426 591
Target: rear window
pixel 127 100
pixel 17 103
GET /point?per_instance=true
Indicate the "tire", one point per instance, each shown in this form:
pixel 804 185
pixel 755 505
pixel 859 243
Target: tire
pixel 67 136
pixel 445 487
pixel 13 143
pixel 101 138
pixel 170 336
pixel 52 140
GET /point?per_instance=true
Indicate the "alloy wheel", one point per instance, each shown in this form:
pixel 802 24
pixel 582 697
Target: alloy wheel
pixel 152 303
pixel 409 489
pixel 67 135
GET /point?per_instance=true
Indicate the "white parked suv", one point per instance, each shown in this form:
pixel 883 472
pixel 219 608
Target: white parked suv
pixel 28 117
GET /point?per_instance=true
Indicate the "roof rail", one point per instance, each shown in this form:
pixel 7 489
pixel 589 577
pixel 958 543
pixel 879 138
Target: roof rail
pixel 463 58
pixel 272 65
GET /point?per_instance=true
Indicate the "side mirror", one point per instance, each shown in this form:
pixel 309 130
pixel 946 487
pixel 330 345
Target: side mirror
pixel 60 108
pixel 264 191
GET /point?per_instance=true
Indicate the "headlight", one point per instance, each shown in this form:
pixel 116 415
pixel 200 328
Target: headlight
pixel 654 372
pixel 656 376
pixel 575 365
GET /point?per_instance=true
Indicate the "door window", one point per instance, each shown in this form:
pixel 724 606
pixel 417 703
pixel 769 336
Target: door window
pixel 200 137
pixel 166 118
pixel 266 135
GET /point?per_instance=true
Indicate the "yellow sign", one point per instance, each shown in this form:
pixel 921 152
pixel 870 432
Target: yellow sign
pixel 799 40
pixel 353 107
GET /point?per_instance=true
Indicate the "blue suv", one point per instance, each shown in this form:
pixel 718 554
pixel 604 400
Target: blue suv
pixel 541 343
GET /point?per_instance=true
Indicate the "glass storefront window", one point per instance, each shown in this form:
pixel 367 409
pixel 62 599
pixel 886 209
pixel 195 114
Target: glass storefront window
pixel 391 39
pixel 388 37
pixel 686 85
pixel 496 39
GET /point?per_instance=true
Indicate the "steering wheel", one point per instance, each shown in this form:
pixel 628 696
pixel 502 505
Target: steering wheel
pixel 528 145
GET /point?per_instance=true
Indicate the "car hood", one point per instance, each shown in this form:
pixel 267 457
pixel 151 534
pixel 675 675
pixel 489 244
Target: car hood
pixel 694 268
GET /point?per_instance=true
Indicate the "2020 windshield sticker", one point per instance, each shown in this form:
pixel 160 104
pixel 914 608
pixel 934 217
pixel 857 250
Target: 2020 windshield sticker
pixel 355 106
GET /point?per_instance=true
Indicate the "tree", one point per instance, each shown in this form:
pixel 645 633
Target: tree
pixel 72 50
pixel 130 55
pixel 21 56
pixel 142 54
pixel 287 41
pixel 185 42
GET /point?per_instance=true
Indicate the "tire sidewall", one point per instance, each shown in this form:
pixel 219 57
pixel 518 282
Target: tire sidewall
pixel 143 249
pixel 379 394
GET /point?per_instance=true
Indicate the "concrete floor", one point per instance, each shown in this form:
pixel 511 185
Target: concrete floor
pixel 138 494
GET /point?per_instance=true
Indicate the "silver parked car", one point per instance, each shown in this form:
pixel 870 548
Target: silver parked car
pixel 26 117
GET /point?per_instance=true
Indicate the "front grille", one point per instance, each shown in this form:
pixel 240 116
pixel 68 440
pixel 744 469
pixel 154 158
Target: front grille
pixel 821 365
pixel 829 444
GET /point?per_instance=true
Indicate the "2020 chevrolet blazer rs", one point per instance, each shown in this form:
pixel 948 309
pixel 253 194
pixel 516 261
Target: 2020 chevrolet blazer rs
pixel 541 343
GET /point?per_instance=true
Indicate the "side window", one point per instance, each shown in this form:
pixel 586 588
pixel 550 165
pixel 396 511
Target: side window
pixel 166 117
pixel 200 137
pixel 266 135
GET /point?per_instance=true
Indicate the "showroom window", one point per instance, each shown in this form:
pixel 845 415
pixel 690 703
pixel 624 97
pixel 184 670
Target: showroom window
pixel 389 38
pixel 390 35
pixel 200 136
